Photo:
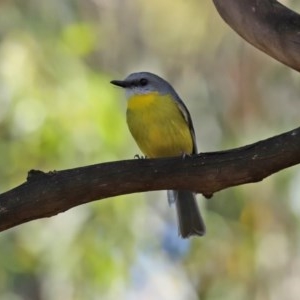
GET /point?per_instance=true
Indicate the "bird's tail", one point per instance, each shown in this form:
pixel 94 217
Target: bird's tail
pixel 189 217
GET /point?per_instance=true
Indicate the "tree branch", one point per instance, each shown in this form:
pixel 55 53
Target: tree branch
pixel 47 194
pixel 267 25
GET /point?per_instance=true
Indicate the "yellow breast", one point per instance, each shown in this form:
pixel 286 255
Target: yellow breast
pixel 158 126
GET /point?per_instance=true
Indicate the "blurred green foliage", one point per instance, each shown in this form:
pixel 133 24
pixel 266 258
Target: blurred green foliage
pixel 58 110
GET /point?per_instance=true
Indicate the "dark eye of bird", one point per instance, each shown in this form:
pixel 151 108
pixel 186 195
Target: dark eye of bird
pixel 143 82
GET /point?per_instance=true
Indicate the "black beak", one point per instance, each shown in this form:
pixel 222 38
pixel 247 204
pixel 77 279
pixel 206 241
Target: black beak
pixel 121 83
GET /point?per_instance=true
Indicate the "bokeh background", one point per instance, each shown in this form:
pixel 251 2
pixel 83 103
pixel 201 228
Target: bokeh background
pixel 58 110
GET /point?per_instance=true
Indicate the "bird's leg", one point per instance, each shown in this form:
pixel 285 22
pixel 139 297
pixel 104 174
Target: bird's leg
pixel 137 156
pixel 184 155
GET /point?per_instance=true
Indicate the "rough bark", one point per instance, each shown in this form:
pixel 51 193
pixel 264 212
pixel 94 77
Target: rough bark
pixel 47 194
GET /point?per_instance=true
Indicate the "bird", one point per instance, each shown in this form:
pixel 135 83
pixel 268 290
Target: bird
pixel 161 125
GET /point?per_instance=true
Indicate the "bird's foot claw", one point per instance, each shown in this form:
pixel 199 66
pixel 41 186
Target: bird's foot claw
pixel 184 155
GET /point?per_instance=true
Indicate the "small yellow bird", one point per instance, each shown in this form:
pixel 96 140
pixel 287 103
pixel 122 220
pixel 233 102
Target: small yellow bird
pixel 161 125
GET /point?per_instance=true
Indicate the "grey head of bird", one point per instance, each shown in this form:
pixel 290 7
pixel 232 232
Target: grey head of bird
pixel 143 83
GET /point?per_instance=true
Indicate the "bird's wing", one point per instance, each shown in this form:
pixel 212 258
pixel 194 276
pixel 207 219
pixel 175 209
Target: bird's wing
pixel 183 109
